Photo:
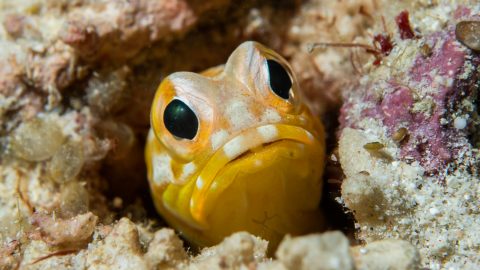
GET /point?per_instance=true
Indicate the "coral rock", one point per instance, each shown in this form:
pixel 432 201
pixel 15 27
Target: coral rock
pixel 320 252
pixel 239 249
pixel 119 250
pixel 386 254
pixel 73 231
pixel 165 251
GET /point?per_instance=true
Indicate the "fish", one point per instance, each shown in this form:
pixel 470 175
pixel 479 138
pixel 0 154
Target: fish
pixel 235 148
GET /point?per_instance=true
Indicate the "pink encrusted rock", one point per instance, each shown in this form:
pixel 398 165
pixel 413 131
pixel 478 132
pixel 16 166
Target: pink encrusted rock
pixel 420 101
pixel 421 107
pixel 73 231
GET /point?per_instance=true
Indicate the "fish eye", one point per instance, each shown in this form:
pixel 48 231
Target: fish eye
pixel 180 120
pixel 280 81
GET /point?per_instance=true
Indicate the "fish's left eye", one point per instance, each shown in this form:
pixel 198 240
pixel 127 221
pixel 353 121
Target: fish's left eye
pixel 280 81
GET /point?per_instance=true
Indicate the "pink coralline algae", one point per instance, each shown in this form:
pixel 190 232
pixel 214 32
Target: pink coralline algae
pixel 424 101
pixel 430 141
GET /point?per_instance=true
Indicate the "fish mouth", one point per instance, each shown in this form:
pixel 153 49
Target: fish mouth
pixel 239 149
pixel 253 151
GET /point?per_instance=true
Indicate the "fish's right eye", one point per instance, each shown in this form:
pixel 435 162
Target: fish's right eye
pixel 180 120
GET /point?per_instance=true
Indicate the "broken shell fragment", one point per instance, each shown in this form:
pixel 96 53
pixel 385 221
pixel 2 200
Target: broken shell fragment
pixel 400 134
pixel 37 139
pixel 468 33
pixel 373 146
pixel 376 149
pixel 426 50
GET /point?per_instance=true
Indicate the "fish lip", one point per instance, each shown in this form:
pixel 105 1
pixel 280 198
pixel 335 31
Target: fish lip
pixel 235 149
pixel 249 152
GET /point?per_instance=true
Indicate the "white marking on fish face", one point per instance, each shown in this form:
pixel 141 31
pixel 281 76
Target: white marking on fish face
pixel 187 170
pixel 234 147
pixel 238 115
pixel 268 132
pixel 162 169
pixel 218 138
pixel 271 116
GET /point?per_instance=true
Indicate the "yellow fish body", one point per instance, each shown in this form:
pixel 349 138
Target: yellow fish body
pixel 234 149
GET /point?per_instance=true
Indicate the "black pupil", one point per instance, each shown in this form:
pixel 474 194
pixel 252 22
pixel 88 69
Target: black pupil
pixel 280 81
pixel 180 120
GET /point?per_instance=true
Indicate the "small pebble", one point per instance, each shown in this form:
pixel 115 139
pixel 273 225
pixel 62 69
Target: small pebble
pixel 460 123
pixel 117 202
pixel 468 32
pixel 434 211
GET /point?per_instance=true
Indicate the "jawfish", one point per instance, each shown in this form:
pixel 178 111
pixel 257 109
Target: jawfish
pixel 234 149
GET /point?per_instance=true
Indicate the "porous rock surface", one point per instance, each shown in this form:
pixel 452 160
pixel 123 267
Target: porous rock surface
pixel 125 245
pixel 408 139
